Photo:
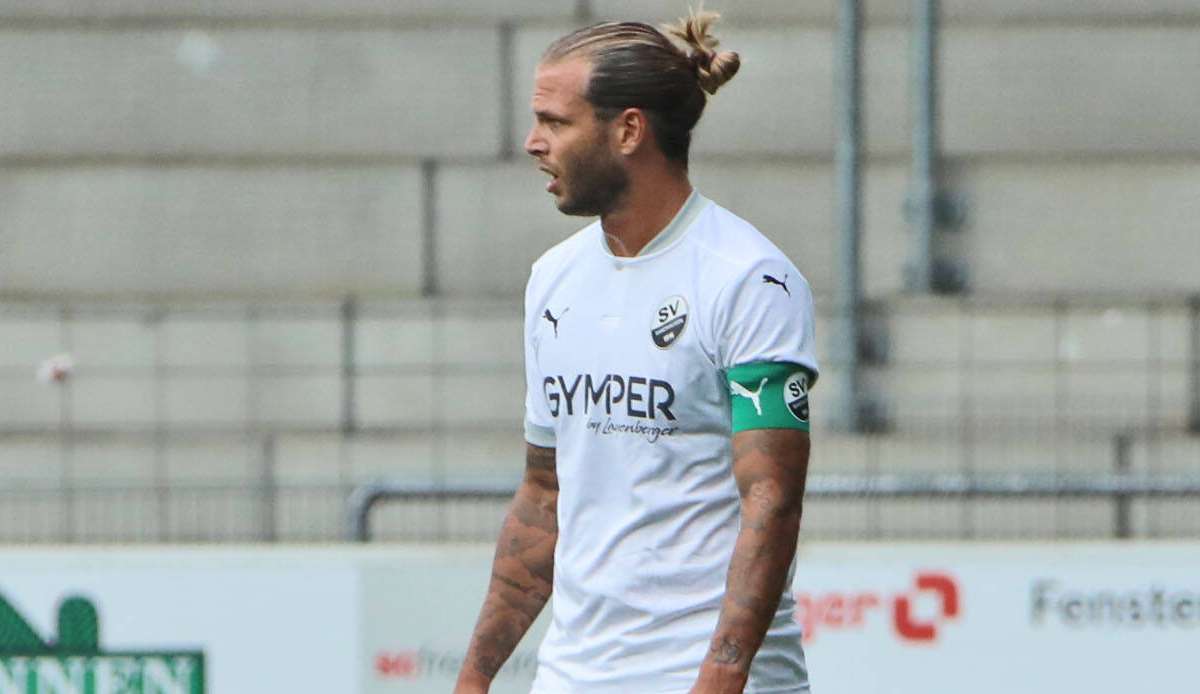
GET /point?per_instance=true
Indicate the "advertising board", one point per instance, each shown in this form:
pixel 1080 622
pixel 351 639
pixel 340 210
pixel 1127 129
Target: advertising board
pixel 878 618
pixel 894 618
pixel 992 619
pixel 172 621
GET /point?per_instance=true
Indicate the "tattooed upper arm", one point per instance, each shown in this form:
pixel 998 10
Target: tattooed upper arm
pixel 770 466
pixel 540 467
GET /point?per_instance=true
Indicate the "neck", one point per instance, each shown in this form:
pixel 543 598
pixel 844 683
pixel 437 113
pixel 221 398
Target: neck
pixel 647 207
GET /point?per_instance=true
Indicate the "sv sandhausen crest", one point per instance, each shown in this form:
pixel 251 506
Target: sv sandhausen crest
pixel 795 394
pixel 670 319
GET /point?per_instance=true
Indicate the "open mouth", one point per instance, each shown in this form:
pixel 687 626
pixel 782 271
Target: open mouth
pixel 552 184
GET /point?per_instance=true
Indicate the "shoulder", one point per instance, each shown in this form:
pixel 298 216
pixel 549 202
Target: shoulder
pixel 559 258
pixel 735 252
pixel 758 304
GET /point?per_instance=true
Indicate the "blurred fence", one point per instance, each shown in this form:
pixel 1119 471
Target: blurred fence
pixel 1117 494
pixel 249 422
pixel 932 364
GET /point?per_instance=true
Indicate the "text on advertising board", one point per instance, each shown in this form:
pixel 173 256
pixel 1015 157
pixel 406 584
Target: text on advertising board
pixel 1051 602
pixel 74 662
pixel 419 663
pixel 852 610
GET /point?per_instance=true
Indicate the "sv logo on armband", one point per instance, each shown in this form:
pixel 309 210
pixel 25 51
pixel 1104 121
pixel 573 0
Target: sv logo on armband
pixel 795 395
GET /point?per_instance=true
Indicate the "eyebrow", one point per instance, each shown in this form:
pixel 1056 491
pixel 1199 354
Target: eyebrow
pixel 549 115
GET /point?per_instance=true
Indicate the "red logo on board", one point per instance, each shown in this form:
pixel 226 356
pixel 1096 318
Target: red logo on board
pixel 845 611
pixel 398 665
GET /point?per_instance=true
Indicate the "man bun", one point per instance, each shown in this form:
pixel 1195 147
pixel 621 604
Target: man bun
pixel 713 69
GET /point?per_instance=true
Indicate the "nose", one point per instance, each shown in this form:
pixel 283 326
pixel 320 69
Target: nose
pixel 535 144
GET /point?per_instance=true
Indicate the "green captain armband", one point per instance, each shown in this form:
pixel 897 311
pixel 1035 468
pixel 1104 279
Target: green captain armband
pixel 769 395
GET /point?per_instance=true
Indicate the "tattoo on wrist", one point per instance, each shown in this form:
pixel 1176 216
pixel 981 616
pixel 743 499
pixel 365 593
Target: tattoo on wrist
pixel 488 664
pixel 727 651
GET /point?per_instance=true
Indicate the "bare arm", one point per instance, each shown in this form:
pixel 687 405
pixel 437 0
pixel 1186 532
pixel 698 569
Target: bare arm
pixel 770 466
pixel 522 572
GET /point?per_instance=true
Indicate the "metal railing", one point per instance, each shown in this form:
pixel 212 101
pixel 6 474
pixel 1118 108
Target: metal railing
pixel 295 488
pixel 1119 488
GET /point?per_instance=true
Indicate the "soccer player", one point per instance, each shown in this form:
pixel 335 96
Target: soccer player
pixel 669 354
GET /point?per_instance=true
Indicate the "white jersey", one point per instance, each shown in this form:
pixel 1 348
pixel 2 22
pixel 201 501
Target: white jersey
pixel 625 361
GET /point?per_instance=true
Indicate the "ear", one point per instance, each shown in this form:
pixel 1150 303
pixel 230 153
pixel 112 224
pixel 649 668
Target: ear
pixel 632 130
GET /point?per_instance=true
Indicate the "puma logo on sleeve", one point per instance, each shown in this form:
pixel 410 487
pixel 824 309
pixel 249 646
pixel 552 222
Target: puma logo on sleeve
pixel 767 279
pixel 554 321
pixel 739 389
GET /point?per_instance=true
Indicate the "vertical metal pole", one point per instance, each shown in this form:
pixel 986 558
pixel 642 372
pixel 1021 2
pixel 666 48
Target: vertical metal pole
pixel 269 493
pixel 66 423
pixel 925 142
pixel 358 512
pixel 849 137
pixel 1194 366
pixel 253 417
pixel 161 429
pixel 1123 528
pixel 508 80
pixel 430 286
pixel 349 365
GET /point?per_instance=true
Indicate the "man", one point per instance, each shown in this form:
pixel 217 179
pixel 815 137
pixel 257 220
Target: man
pixel 669 353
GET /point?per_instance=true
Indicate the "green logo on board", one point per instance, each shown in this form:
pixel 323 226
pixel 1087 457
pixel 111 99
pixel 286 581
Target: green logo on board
pixel 74 664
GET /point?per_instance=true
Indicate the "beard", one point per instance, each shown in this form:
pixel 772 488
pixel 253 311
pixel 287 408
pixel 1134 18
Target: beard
pixel 593 182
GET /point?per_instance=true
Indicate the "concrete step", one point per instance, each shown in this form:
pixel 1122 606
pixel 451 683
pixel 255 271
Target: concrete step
pixel 218 92
pixel 360 232
pixel 1002 89
pixel 233 230
pixel 330 11
pixel 235 91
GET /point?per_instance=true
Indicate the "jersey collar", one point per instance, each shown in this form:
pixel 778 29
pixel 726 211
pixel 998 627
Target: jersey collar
pixel 673 232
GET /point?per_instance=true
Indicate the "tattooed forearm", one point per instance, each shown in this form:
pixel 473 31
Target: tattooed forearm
pixel 770 467
pixel 522 570
pixel 727 651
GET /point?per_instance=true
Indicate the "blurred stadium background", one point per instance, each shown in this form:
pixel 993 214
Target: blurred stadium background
pixel 284 243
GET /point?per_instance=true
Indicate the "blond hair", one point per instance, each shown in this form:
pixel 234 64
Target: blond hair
pixel 635 65
pixel 713 69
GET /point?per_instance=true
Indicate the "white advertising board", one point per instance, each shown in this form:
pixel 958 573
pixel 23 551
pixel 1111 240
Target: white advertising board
pixel 422 606
pixel 274 621
pixel 998 619
pixel 879 619
pixel 902 618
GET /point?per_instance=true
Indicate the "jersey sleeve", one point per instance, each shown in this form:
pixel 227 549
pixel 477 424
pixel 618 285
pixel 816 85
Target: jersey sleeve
pixel 763 325
pixel 539 424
